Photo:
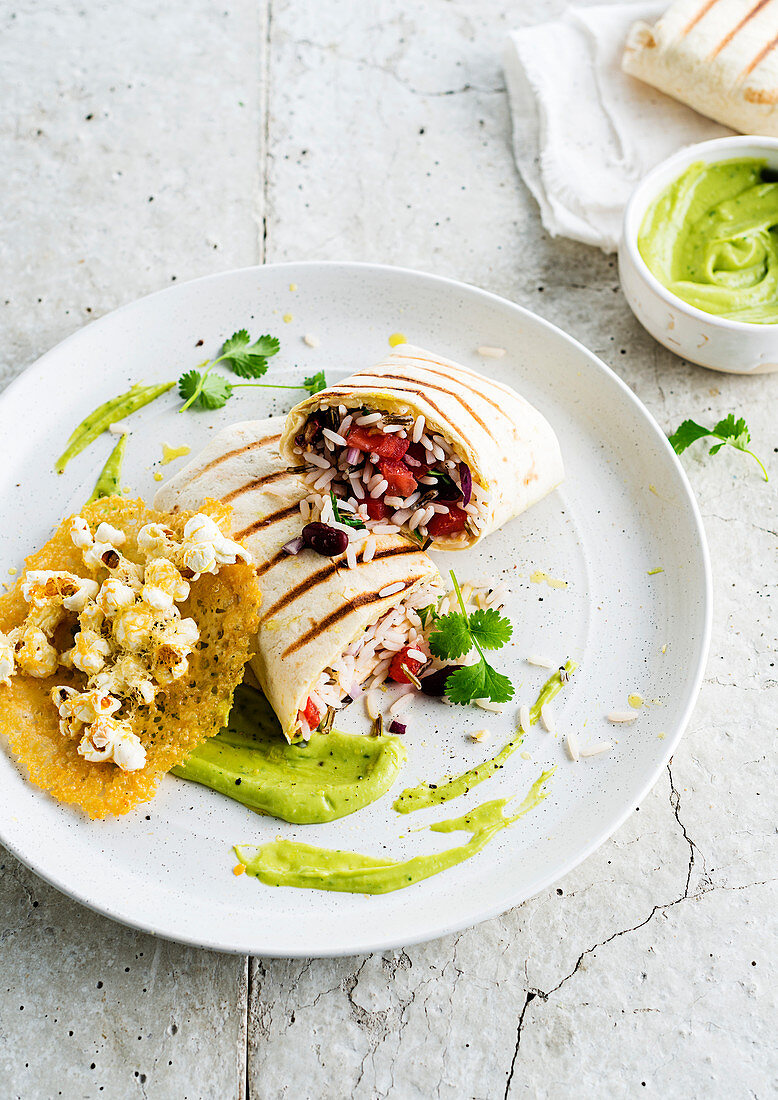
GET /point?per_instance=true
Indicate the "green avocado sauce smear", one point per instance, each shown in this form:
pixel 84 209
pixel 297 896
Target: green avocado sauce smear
pixel 711 238
pixel 107 484
pixel 335 774
pixel 325 778
pixel 290 863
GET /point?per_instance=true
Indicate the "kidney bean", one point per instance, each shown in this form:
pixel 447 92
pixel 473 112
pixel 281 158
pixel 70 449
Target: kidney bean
pixel 435 684
pixel 325 540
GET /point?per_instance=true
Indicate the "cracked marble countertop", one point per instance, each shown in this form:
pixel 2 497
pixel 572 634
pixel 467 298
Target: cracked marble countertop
pixel 146 143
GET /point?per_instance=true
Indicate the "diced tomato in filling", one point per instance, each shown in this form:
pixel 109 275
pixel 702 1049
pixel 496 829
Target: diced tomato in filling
pixel 400 479
pixel 311 714
pixel 377 509
pixel 387 446
pixel 447 524
pixel 416 451
pixel 413 664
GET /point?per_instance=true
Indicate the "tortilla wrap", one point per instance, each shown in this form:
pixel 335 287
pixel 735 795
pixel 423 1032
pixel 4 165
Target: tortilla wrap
pixel 721 59
pixel 511 449
pixel 313 607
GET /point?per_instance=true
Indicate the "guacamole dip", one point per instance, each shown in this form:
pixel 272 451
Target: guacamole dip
pixel 711 238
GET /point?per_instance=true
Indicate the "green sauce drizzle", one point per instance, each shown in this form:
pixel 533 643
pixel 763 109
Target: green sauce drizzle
pixel 550 690
pixel 290 863
pixel 115 409
pixel 328 777
pixel 430 794
pixel 107 483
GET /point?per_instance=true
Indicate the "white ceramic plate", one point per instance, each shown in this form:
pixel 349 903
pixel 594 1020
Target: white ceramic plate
pixel 625 508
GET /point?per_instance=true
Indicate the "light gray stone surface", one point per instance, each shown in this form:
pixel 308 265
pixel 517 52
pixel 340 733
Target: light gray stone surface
pixel 379 131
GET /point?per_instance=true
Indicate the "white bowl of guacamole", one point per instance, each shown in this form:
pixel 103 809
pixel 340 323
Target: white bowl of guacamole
pixel 698 258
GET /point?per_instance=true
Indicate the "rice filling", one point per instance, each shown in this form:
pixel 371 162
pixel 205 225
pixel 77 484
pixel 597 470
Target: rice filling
pixel 393 648
pixel 370 471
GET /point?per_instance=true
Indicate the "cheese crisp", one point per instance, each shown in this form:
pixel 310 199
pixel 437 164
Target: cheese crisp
pixel 120 648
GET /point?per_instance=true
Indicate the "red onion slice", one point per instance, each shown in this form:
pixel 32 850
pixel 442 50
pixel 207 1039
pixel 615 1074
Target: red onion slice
pixel 466 481
pixel 398 727
pixel 352 455
pixel 294 546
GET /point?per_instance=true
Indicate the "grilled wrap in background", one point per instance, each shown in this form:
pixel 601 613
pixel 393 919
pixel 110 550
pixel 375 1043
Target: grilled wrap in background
pixel 313 607
pixel 511 449
pixel 719 58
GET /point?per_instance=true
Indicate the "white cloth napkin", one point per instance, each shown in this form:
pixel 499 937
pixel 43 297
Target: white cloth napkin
pixel 584 133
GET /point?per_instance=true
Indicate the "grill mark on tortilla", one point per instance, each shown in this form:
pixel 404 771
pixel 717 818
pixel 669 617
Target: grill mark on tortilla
pixel 737 28
pixel 335 616
pixel 277 557
pixel 256 483
pixel 268 521
pixel 451 393
pixel 696 18
pixel 464 370
pixel 408 389
pixel 324 574
pixel 238 451
pixel 759 58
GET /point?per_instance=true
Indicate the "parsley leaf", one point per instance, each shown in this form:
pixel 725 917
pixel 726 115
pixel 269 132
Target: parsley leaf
pixel 246 359
pixel 729 431
pixel 207 391
pixel 456 634
pixel 479 681
pixel 316 383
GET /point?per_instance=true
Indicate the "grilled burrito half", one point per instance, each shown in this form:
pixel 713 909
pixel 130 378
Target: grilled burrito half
pixel 330 627
pixel 721 58
pixel 423 445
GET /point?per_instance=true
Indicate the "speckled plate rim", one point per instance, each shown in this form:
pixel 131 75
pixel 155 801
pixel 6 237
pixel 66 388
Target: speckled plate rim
pixel 31 377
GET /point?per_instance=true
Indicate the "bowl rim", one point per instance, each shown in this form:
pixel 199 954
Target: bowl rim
pixel 644 194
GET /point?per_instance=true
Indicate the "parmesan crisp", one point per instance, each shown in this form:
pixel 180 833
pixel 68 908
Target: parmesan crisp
pixel 191 709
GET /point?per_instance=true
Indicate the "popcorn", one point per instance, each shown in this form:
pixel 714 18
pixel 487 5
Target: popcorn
pixel 84 706
pixel 90 652
pixel 36 656
pixel 154 538
pixel 206 547
pixel 163 584
pixel 131 639
pixel 132 627
pixel 128 676
pixel 42 586
pixel 108 739
pixel 114 596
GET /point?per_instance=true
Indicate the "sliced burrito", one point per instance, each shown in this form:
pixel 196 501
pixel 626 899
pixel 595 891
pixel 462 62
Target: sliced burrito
pixel 338 616
pixel 719 58
pixel 423 445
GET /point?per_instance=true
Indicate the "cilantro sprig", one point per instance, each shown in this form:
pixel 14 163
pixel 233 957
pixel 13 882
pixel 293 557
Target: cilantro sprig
pixel 455 635
pixel 316 383
pixel 245 359
pixel 198 387
pixel 729 432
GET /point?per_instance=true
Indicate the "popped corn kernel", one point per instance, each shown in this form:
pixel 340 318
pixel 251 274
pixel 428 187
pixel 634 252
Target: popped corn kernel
pixel 90 651
pixel 109 739
pixel 36 655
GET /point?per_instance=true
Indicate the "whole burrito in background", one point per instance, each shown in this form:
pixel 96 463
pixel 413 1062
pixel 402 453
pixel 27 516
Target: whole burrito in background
pixel 719 58
pixel 313 607
pixel 510 449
